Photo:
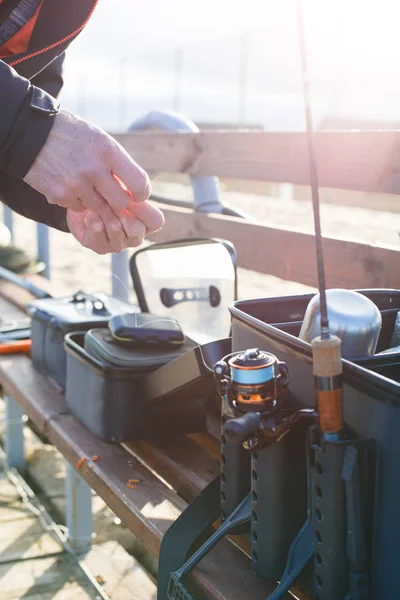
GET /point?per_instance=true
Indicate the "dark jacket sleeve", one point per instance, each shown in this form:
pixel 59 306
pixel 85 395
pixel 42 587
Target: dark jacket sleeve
pixel 51 78
pixel 27 114
pixel 14 192
pixel 26 201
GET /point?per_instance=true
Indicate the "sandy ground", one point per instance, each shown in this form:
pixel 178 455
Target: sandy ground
pixel 74 267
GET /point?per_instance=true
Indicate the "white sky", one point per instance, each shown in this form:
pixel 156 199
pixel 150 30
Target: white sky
pixel 353 49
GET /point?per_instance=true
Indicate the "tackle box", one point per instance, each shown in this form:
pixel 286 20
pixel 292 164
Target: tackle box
pixel 287 313
pixel 146 393
pixel 371 411
pixel 53 318
pixel 141 358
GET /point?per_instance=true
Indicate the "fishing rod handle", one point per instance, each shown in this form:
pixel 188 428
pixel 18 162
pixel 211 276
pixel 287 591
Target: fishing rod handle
pixel 327 368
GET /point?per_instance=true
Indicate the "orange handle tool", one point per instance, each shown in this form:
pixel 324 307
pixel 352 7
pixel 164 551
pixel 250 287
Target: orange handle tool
pixel 17 347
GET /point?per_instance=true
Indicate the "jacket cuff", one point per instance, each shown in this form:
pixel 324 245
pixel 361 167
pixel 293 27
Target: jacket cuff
pixel 29 132
pixel 29 203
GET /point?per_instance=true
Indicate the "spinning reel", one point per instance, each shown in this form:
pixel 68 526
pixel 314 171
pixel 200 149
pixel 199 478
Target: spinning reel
pixel 252 385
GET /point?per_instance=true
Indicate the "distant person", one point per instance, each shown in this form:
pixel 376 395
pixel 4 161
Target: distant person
pixel 56 168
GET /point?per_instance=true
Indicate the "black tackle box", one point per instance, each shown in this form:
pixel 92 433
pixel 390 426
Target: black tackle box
pixel 53 318
pixel 127 394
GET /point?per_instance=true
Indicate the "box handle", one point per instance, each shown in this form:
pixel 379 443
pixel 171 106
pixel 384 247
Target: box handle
pixel 98 306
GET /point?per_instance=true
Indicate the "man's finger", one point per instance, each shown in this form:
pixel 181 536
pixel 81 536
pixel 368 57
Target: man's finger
pixel 132 176
pixel 114 194
pixel 95 236
pixel 114 230
pixel 150 215
pixel 92 200
pixel 93 221
pixel 135 229
pixel 73 203
pixel 76 224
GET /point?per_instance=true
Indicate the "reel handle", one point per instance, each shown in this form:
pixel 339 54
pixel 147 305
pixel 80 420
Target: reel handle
pixel 240 429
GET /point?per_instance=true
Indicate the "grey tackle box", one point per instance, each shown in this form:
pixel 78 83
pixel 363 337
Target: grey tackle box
pixel 53 318
pixel 127 393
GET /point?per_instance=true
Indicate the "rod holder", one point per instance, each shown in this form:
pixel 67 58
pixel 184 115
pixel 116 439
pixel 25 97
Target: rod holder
pixel 235 475
pixel 339 508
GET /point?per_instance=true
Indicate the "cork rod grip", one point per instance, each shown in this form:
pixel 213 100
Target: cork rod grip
pixel 328 377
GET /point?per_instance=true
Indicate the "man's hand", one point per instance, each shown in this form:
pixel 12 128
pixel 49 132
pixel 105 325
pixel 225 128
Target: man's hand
pixel 108 233
pixel 82 167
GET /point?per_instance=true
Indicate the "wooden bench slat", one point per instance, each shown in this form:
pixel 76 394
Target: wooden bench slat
pixel 185 465
pixel 40 400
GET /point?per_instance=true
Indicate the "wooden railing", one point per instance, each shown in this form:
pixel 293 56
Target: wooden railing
pixel 365 161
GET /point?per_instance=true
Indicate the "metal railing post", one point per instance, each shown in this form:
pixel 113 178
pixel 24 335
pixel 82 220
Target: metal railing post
pixel 205 188
pixel 120 275
pixel 79 520
pixel 43 247
pixel 8 220
pixel 14 434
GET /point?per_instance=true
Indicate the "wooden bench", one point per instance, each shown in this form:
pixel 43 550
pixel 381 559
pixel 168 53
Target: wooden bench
pixel 170 473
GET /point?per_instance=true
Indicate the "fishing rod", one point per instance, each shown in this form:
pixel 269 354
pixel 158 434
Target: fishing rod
pixel 326 348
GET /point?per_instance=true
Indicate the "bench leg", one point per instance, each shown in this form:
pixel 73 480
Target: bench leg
pixel 14 435
pixel 78 511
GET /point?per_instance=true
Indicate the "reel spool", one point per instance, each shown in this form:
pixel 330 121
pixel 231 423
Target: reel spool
pixel 257 380
pixel 252 385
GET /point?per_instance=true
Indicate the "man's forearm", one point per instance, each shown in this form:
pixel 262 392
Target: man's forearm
pixel 14 192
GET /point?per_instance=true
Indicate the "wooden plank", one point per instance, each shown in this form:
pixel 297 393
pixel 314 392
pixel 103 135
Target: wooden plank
pixel 356 160
pixel 376 201
pixel 185 465
pixel 38 396
pixel 289 254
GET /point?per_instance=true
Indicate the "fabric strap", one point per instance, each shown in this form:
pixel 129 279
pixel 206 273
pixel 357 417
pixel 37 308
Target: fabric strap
pixel 188 533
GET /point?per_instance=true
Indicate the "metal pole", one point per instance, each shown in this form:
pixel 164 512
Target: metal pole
pixel 243 72
pixel 14 434
pixel 43 247
pixel 8 220
pixel 79 510
pixel 178 79
pixel 205 187
pixel 120 275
